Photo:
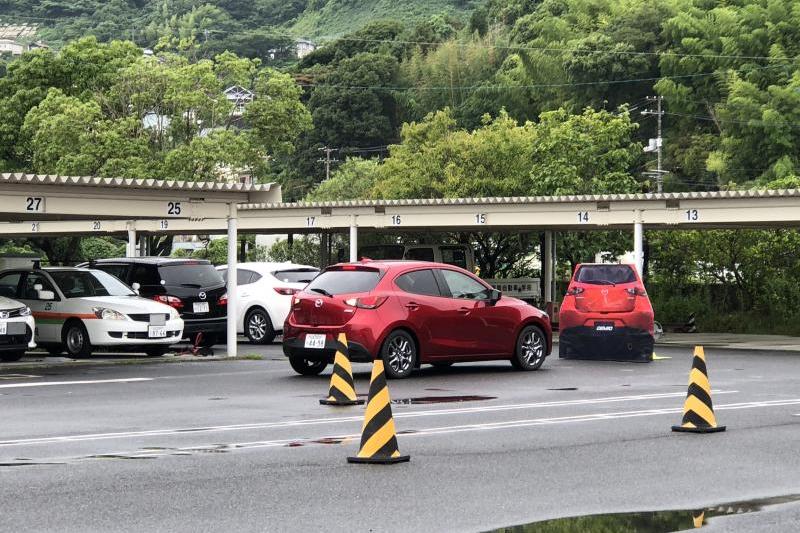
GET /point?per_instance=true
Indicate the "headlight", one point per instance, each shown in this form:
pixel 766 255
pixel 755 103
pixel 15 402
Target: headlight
pixel 25 311
pixel 108 314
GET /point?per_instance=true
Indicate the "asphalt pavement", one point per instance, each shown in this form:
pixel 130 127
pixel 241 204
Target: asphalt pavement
pixel 245 445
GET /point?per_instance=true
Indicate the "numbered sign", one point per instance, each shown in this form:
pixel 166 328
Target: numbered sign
pixel 34 204
pixel 480 218
pixel 691 215
pixel 163 224
pixel 174 209
pixel 396 220
pixel 583 217
pixel 96 225
pixel 35 227
pixel 311 222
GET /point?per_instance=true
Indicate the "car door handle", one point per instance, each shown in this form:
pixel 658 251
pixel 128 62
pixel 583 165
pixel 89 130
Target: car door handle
pixel 464 310
pixel 413 306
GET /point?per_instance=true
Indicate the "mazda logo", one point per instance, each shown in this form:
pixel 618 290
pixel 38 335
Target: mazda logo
pixel 318 303
pixel 202 296
pixel 604 292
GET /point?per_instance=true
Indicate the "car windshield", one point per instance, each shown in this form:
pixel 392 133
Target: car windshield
pixel 333 282
pixel 296 275
pixel 605 274
pixel 191 275
pixel 88 283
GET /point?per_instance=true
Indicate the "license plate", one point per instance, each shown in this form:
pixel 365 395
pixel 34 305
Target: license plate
pixel 317 342
pixel 200 307
pixel 604 327
pixel 157 332
pixel 3 328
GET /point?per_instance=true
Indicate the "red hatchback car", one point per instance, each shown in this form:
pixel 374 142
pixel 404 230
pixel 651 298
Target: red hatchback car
pixel 606 314
pixel 409 313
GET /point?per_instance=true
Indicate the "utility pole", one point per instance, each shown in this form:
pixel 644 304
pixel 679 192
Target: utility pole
pixel 656 144
pixel 327 160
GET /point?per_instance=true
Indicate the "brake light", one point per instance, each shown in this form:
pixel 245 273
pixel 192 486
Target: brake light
pixel 636 291
pixel 369 302
pixel 574 291
pixel 349 267
pixel 223 300
pixel 286 291
pixel 172 301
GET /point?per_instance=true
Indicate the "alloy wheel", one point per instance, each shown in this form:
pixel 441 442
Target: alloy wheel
pixel 532 347
pixel 401 354
pixel 257 326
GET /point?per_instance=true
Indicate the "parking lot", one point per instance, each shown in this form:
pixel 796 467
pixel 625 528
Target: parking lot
pixel 244 445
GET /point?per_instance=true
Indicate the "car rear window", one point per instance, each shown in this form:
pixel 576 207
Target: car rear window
pixel 190 275
pixel 345 281
pixel 382 251
pixel 296 275
pixel 605 274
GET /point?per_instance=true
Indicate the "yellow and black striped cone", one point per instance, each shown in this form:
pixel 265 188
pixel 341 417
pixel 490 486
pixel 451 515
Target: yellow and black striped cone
pixel 342 390
pixel 698 411
pixel 378 437
pixel 698 517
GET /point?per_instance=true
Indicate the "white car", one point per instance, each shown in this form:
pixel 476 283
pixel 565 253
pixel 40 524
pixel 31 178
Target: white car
pixel 265 296
pixel 78 309
pixel 16 329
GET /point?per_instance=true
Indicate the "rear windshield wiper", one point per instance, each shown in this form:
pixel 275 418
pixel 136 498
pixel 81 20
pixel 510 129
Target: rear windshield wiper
pixel 322 291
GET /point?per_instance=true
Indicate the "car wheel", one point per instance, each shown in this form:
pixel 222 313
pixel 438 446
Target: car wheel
pixel 10 357
pixel 76 340
pixel 530 352
pixel 156 351
pixel 305 367
pixel 258 327
pixel 399 354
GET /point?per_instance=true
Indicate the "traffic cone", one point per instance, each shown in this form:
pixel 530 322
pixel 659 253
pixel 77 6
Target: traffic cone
pixel 342 390
pixel 698 411
pixel 378 437
pixel 698 517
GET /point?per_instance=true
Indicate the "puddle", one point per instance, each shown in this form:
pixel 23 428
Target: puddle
pixel 440 390
pixel 217 398
pixel 646 522
pixel 440 399
pixel 28 464
pixel 118 456
pixel 568 388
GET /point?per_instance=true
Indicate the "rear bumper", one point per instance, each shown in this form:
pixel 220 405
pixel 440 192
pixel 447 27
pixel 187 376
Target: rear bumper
pixel 623 344
pixel 294 347
pixel 192 327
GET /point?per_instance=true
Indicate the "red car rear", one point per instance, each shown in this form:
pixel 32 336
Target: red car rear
pixel 606 314
pixel 410 313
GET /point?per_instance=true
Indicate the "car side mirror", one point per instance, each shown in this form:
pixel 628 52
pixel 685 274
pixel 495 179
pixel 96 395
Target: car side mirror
pixel 47 296
pixel 136 287
pixel 38 287
pixel 494 296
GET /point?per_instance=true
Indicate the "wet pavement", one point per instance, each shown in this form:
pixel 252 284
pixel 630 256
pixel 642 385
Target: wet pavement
pixel 244 445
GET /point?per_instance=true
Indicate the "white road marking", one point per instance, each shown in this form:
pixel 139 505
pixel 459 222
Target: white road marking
pixel 335 420
pixel 82 382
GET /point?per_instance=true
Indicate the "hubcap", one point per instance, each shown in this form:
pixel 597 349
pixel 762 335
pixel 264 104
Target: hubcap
pixel 532 347
pixel 74 340
pixel 257 326
pixel 400 354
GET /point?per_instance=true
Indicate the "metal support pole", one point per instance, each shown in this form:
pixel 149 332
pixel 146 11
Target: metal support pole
pixel 353 239
pixel 130 251
pixel 547 265
pixel 638 242
pixel 553 270
pixel 233 298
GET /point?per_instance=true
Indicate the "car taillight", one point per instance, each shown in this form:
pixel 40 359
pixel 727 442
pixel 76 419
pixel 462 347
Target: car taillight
pixel 369 302
pixel 575 291
pixel 636 291
pixel 172 301
pixel 223 300
pixel 286 291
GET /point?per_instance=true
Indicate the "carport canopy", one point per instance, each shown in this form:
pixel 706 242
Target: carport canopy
pixel 90 205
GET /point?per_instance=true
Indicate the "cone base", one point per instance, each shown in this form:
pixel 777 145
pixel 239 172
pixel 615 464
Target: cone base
pixel 698 430
pixel 336 402
pixel 379 460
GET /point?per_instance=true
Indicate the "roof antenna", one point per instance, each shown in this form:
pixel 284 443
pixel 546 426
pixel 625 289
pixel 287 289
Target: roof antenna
pixel 37 264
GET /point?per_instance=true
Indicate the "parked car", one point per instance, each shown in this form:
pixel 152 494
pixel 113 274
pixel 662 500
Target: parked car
pixel 606 314
pixel 191 286
pixel 265 296
pixel 452 254
pixel 16 326
pixel 409 313
pixel 79 309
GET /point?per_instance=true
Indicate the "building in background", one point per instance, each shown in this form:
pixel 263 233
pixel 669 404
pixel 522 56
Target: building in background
pixel 16 39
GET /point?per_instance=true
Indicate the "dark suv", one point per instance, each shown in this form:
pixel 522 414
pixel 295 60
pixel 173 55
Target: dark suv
pixel 193 287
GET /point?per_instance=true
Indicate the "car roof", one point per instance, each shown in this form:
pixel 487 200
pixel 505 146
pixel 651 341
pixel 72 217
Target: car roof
pixel 264 267
pixel 154 260
pixel 396 264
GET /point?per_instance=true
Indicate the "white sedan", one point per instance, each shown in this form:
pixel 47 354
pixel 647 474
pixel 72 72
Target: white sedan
pixel 265 293
pixel 78 309
pixel 16 329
